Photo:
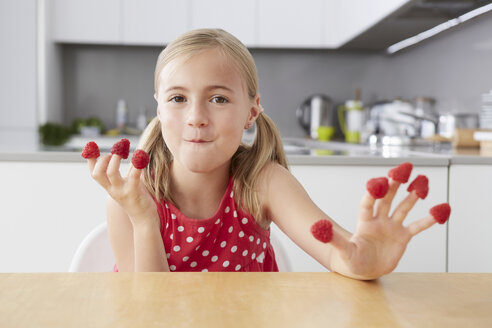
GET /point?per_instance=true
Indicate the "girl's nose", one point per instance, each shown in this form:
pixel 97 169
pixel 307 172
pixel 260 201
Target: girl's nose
pixel 197 116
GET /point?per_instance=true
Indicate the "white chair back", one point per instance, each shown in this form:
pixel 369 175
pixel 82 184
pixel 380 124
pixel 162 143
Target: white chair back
pixel 94 254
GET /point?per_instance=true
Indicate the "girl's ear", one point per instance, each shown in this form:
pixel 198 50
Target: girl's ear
pixel 254 111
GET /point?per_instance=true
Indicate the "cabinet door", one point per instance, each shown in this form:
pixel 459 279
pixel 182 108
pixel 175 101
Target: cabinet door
pixel 88 21
pixel 237 17
pixel 470 224
pixel 154 22
pixel 338 190
pixel 290 24
pixel 47 210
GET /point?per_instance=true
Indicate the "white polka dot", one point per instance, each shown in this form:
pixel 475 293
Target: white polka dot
pixel 223 244
pixel 201 229
pixel 208 234
pixel 177 248
pixel 193 264
pixel 230 229
pixel 166 205
pixel 227 209
pixel 245 252
pixel 173 216
pixel 251 238
pixel 253 256
pixel 171 236
pixel 258 241
pixel 167 225
pixel 172 267
pixel 181 228
pixel 168 255
pixel 186 258
pixel 225 264
pixel 244 220
pixel 197 247
pixel 218 221
pixel 215 240
pixel 232 194
pixel 238 267
pixel 214 258
pixel 189 239
pixel 241 234
pixel 205 270
pixel 234 249
pixel 264 245
pixel 235 214
pixel 205 253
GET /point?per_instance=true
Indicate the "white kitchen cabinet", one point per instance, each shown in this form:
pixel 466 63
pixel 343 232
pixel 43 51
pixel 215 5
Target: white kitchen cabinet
pixel 470 224
pixel 154 22
pixel 338 190
pixel 294 24
pixel 237 17
pixel 47 209
pixel 88 21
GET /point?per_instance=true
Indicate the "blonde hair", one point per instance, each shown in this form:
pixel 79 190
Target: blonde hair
pixel 248 161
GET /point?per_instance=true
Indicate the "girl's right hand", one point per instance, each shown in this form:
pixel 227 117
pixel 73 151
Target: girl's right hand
pixel 129 192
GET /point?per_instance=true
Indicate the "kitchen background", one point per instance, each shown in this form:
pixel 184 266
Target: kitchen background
pixel 51 73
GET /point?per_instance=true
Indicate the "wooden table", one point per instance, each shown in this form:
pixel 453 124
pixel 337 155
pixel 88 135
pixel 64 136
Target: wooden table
pixel 244 300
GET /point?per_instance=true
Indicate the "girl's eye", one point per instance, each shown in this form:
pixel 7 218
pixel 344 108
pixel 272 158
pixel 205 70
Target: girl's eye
pixel 177 99
pixel 220 100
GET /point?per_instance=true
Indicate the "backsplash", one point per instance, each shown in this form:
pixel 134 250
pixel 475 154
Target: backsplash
pixel 455 68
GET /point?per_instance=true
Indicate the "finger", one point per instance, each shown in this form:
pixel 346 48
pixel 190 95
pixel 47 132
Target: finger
pixel 342 244
pixel 133 177
pixel 384 205
pixel 404 207
pixel 99 171
pixel 420 225
pixel 92 164
pixel 366 209
pixel 113 171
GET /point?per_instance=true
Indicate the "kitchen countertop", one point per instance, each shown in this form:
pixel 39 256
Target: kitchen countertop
pixel 299 152
pixel 252 299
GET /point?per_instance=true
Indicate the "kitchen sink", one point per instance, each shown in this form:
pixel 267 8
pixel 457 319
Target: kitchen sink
pixel 308 147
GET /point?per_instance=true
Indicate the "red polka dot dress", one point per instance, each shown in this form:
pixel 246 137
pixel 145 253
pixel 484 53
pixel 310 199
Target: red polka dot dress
pixel 230 240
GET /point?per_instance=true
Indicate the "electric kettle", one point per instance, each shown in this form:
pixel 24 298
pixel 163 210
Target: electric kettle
pixel 317 117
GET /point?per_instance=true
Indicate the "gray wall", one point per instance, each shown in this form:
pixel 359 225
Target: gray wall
pixel 454 67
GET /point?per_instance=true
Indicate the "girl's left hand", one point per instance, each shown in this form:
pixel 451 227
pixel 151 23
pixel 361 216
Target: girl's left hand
pixel 380 238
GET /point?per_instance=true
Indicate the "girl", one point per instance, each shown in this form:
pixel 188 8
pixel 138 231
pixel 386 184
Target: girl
pixel 205 202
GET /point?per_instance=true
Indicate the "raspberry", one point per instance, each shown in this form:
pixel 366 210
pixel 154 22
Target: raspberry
pixel 378 187
pixel 322 231
pixel 91 150
pixel 420 185
pixel 441 212
pixel 140 159
pixel 401 173
pixel 121 148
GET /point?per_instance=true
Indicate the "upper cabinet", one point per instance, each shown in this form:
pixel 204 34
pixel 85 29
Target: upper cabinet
pixel 88 21
pixel 290 24
pixel 237 17
pixel 257 23
pixel 154 22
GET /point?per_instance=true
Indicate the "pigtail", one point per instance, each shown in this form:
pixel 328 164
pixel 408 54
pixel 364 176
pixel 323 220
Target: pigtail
pixel 248 162
pixel 157 173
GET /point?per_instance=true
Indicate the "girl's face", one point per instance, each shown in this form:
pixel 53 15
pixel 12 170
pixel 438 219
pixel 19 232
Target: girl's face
pixel 203 107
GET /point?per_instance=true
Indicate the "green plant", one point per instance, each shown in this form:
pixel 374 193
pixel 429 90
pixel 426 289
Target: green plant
pixel 54 134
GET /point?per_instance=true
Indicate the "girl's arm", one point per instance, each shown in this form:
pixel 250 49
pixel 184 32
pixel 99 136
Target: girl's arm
pixel 372 251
